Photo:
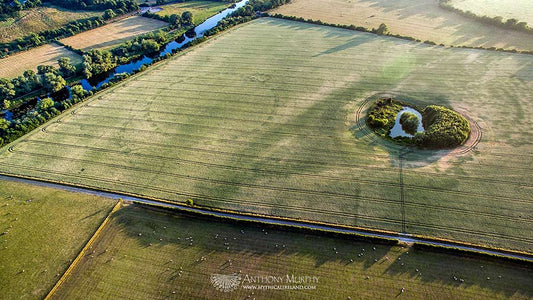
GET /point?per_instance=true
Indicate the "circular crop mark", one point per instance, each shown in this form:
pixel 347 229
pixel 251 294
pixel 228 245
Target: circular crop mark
pixel 474 138
pixel 432 127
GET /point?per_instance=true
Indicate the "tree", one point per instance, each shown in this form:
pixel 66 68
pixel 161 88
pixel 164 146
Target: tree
pixel 150 46
pixel 109 14
pixel 409 122
pixel 96 62
pixel 42 69
pixel 4 124
pixel 382 29
pixel 65 67
pixel 53 82
pixel 174 20
pixel 186 18
pixel 7 89
pixel 45 104
pixel 6 104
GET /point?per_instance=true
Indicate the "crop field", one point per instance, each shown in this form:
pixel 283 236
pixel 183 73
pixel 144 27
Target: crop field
pixel 39 19
pixel 201 10
pixel 421 19
pixel 14 65
pixel 41 231
pixel 268 118
pixel 521 10
pixel 113 34
pixel 163 254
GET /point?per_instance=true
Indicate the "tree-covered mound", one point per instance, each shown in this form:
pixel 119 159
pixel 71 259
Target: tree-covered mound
pixel 382 115
pixel 443 127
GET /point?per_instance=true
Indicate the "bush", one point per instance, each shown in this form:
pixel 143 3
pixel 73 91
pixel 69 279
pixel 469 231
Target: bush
pixel 409 122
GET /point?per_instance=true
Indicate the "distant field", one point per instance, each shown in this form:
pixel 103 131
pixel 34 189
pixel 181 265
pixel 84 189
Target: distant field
pixel 39 19
pixel 113 34
pixel 15 65
pixel 201 10
pixel 421 19
pixel 46 229
pixel 264 119
pixel 151 249
pixel 521 10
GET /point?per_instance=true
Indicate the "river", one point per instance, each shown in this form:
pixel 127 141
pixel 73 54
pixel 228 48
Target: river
pixel 131 67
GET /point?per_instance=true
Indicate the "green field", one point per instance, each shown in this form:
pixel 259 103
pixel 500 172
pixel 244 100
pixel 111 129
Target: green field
pixel 154 251
pixel 264 119
pixel 521 10
pixel 39 19
pixel 201 10
pixel 421 19
pixel 46 229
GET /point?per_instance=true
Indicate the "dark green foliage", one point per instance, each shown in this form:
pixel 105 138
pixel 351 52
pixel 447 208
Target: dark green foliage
pixel 52 82
pixel 382 115
pixel 96 62
pixel 409 122
pixel 382 29
pixel 444 128
pixel 9 8
pixel 65 67
pixel 7 89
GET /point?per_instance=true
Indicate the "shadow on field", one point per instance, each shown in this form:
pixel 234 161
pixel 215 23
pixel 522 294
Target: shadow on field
pixel 512 279
pixel 350 44
pixel 159 227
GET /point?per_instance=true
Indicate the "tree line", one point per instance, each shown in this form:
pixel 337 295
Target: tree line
pixel 498 21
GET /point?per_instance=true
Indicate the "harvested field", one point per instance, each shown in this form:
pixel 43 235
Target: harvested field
pixel 39 19
pixel 421 19
pixel 113 34
pixel 46 229
pixel 521 10
pixel 201 10
pixel 14 65
pixel 174 257
pixel 269 118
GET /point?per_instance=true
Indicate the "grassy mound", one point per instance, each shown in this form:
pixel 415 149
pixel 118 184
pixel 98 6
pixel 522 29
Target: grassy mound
pixel 444 128
pixel 409 122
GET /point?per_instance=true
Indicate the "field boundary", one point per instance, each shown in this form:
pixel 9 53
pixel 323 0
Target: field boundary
pixel 434 242
pixel 83 250
pixel 398 36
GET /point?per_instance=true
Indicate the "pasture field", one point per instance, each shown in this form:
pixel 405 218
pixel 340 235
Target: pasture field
pixel 201 10
pixel 163 253
pixel 268 118
pixel 421 19
pixel 39 19
pixel 14 65
pixel 113 34
pixel 46 229
pixel 522 10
